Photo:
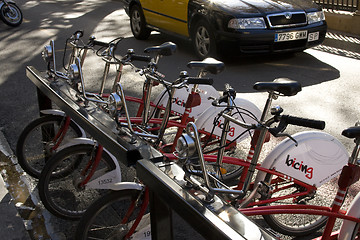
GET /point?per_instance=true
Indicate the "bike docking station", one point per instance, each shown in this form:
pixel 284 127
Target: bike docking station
pixel 169 191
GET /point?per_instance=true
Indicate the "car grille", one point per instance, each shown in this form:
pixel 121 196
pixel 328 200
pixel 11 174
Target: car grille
pixel 287 19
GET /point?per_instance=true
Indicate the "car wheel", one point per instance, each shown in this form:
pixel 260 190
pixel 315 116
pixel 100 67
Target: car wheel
pixel 138 24
pixel 203 40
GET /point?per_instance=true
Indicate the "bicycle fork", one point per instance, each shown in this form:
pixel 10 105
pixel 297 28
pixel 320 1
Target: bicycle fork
pixel 144 205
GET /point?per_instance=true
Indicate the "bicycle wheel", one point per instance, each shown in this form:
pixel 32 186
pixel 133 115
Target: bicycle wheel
pixel 112 216
pixel 301 224
pixel 62 194
pixel 34 146
pixel 11 14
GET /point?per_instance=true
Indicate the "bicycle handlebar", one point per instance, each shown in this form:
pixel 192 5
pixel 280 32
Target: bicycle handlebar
pixel 284 121
pixel 143 58
pixel 198 80
pixel 99 43
pixel 304 122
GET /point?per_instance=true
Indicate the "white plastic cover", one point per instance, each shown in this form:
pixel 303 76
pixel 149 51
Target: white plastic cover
pixel 206 120
pixel 318 158
pixel 181 95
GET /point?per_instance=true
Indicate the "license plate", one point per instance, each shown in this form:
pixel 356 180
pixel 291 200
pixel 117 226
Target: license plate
pixel 313 36
pixel 290 36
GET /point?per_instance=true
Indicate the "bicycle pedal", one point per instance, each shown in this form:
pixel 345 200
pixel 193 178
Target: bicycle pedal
pixel 264 189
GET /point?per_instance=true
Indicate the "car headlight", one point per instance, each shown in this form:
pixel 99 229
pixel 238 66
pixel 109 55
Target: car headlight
pixel 47 53
pixel 315 17
pixel 247 23
pixel 185 146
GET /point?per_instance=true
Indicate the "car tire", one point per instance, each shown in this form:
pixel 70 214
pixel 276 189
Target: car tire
pixel 203 40
pixel 138 23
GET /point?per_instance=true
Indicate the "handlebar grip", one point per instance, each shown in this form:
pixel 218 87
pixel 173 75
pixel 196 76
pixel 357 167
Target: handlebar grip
pixel 304 122
pixel 101 44
pixel 143 58
pixel 196 80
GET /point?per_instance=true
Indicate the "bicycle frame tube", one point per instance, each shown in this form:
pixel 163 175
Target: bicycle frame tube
pixel 259 143
pixel 241 162
pixel 147 93
pixel 76 53
pixel 223 137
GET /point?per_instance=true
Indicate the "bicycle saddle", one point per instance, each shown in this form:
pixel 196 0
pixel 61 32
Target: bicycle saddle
pixel 351 132
pixel 165 49
pixel 209 64
pixel 284 86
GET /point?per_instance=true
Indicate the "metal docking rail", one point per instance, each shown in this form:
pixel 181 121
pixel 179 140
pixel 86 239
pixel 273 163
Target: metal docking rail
pixel 168 189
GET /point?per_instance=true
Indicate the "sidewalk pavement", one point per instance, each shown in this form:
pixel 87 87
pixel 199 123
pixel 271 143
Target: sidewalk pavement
pixel 12 226
pixel 342 44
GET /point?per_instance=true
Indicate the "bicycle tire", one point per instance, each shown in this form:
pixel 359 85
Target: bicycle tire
pixel 61 194
pixel 302 224
pixel 105 217
pixel 11 14
pixel 32 151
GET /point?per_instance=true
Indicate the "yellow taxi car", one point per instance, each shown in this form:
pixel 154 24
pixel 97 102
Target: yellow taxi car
pixel 247 26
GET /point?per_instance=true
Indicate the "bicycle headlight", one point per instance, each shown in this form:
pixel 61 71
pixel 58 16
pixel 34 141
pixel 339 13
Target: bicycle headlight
pixel 47 53
pixel 114 103
pixel 315 17
pixel 185 146
pixel 74 72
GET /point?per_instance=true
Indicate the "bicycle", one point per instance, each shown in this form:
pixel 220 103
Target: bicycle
pixel 42 137
pixel 349 175
pixel 287 88
pixel 285 174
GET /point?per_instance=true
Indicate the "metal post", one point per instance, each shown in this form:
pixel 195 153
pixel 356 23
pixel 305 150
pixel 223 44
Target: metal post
pixel 43 101
pixel 161 219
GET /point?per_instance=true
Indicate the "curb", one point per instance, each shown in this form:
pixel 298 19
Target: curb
pixel 12 226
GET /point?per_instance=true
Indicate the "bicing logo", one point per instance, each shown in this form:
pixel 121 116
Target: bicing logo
pixel 300 166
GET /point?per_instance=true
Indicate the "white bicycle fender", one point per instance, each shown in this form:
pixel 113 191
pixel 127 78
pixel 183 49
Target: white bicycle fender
pixel 105 180
pixel 180 96
pixel 53 112
pixel 206 120
pixel 88 141
pixel 77 141
pixel 318 158
pixel 348 228
pixel 57 112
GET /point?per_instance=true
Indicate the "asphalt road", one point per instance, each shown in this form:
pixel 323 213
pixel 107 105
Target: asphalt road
pixel 329 76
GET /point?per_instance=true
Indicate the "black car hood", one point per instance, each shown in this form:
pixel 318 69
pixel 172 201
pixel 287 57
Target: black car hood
pixel 262 7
